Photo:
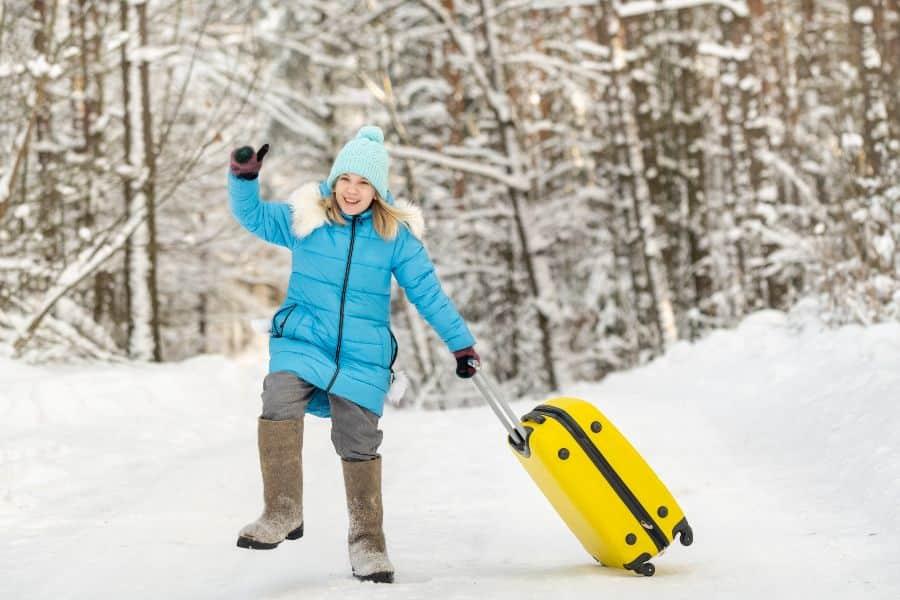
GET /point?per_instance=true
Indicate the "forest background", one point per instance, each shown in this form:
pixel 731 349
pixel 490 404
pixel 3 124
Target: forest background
pixel 600 179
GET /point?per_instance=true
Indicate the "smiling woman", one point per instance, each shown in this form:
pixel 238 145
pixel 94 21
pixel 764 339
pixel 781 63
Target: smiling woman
pixel 358 182
pixel 354 194
pixel 331 349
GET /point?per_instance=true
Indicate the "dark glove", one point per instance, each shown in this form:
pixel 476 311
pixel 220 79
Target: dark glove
pixel 463 368
pixel 245 163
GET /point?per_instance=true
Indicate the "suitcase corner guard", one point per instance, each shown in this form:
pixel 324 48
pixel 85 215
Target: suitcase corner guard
pixel 684 531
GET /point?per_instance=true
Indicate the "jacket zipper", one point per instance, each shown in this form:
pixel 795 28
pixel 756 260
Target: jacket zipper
pixel 615 481
pixel 337 352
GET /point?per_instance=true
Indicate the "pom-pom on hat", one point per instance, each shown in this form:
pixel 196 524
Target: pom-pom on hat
pixel 366 156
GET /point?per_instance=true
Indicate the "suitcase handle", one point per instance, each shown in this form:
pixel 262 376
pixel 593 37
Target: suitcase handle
pixel 498 404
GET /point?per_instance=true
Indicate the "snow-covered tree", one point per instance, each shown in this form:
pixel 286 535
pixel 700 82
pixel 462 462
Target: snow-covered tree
pixel 599 180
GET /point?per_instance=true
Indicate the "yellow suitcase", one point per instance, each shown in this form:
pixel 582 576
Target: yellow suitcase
pixel 602 488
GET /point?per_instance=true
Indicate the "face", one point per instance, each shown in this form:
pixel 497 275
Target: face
pixel 354 194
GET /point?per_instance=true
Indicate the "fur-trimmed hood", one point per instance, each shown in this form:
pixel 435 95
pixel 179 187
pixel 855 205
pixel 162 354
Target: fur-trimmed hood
pixel 309 214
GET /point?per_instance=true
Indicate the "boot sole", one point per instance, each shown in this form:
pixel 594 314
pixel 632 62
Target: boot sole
pixel 251 544
pixel 380 577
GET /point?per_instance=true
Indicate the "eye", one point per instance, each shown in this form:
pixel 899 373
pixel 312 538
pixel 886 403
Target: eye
pixel 343 178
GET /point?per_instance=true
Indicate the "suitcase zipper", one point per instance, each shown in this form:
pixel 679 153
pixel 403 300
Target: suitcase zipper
pixel 615 481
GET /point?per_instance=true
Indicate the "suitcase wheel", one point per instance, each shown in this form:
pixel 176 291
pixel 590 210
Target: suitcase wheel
pixel 646 569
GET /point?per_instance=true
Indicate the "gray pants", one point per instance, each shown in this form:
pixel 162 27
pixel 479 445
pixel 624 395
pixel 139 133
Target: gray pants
pixel 354 430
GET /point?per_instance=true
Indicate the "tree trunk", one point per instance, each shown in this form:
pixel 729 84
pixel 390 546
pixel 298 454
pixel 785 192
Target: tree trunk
pixel 128 176
pixel 696 228
pixel 456 103
pixel 874 167
pixel 540 285
pixel 50 210
pixel 149 187
pixel 865 16
pixel 739 192
pixel 145 340
pixel 609 157
pixel 648 270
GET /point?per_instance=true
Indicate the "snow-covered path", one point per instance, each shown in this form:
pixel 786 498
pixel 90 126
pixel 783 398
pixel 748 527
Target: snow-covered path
pixel 778 439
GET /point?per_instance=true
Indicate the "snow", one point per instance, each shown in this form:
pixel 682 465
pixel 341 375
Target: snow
pixel 7 69
pixel 871 59
pixel 630 8
pixel 778 438
pixel 884 246
pixel 767 212
pixel 724 53
pixel 884 287
pixel 428 87
pixel 851 142
pixel 468 166
pixel 151 53
pixel 22 211
pixel 558 4
pixel 589 47
pixel 768 193
pixel 39 67
pixel 863 15
pixel 117 39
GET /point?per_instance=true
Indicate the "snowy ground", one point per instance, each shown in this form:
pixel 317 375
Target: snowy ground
pixel 778 438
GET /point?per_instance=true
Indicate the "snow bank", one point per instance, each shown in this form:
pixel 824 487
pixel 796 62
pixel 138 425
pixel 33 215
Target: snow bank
pixel 816 411
pixel 779 439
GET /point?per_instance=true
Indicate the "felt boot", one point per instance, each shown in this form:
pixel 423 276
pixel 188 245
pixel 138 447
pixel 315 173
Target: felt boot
pixel 280 446
pixel 368 553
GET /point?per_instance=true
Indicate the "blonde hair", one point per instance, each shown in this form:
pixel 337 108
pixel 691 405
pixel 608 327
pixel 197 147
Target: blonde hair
pixel 386 218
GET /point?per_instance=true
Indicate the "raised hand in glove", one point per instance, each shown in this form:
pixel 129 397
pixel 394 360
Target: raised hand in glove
pixel 245 163
pixel 463 368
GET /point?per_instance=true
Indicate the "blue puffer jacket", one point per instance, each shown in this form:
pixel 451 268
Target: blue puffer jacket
pixel 333 329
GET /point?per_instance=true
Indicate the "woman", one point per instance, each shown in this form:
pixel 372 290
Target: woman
pixel 331 350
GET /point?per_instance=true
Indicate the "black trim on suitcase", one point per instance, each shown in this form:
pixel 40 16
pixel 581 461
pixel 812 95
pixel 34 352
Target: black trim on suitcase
pixel 641 566
pixel 615 481
pixel 685 531
pixel 536 417
pixel 522 448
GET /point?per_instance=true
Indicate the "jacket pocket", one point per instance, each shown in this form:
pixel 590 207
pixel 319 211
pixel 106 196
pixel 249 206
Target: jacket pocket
pixel 386 352
pixel 395 348
pixel 279 320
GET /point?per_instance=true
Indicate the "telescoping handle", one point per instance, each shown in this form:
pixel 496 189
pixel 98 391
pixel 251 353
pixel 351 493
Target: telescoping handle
pixel 497 403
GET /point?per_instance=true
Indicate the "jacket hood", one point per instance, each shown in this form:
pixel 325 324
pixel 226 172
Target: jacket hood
pixel 309 214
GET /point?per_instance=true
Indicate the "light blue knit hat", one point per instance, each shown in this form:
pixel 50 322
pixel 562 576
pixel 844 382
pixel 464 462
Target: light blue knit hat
pixel 366 156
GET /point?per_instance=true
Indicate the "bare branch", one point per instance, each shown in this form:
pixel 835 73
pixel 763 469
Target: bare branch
pixel 458 164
